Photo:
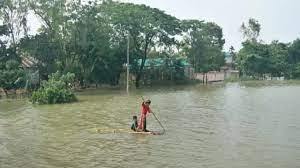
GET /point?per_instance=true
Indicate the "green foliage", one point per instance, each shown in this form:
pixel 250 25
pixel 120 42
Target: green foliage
pixel 43 49
pixel 295 71
pixel 294 52
pixel 76 38
pixel 12 25
pixel 148 27
pixel 251 30
pixel 232 79
pixel 56 90
pixel 277 59
pixel 11 76
pixel 204 44
pixel 95 50
pixel 90 41
pixel 253 59
pixel 256 59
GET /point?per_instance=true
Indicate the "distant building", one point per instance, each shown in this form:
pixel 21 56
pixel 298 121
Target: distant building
pixel 162 69
pixel 226 71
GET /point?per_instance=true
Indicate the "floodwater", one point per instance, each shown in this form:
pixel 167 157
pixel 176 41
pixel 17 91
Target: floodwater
pixel 237 125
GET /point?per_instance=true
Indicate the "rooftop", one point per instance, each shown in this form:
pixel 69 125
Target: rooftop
pixel 29 62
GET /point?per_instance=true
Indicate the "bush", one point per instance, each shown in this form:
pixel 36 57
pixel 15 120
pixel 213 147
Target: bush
pixel 11 75
pixel 56 90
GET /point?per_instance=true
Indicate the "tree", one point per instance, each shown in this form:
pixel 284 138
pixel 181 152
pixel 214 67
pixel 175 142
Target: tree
pixel 11 75
pixel 41 48
pixel 147 27
pixel 257 59
pixel 251 30
pixel 54 16
pixel 205 43
pixel 278 58
pixel 294 52
pixel 296 71
pixel 77 38
pixel 253 59
pixel 14 14
pixel 293 59
pixel 56 90
pixel 95 46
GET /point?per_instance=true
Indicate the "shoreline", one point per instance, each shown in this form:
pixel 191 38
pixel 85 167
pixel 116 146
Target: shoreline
pixel 22 93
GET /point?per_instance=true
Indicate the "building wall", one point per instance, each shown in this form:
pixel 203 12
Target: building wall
pixel 214 76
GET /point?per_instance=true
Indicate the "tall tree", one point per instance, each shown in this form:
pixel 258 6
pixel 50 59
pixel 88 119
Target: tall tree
pixel 251 30
pixel 254 58
pixel 54 18
pixel 147 27
pixel 43 49
pixel 294 52
pixel 95 48
pixel 278 58
pixel 11 75
pixel 14 14
pixel 205 43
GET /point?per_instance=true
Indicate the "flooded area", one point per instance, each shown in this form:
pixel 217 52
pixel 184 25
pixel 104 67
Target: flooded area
pixel 234 125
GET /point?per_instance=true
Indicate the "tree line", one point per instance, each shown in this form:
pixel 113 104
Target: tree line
pixel 258 59
pixel 90 39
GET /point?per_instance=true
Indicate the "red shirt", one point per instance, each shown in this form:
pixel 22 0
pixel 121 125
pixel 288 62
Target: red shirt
pixel 145 109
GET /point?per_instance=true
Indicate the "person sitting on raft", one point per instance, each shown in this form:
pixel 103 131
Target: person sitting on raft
pixel 134 125
pixel 144 111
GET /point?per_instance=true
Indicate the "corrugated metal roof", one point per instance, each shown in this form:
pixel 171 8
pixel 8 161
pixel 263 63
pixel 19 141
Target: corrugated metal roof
pixel 29 62
pixel 158 62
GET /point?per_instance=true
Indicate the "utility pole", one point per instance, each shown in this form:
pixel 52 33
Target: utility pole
pixel 128 38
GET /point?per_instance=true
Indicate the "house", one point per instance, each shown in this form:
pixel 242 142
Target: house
pixel 166 69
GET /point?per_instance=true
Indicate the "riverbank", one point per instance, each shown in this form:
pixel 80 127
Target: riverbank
pixel 23 92
pixel 248 78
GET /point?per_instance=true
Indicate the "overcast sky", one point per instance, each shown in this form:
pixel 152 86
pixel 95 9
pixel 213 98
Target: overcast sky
pixel 280 19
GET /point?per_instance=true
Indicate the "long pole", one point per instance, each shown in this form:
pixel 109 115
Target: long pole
pixel 159 122
pixel 127 84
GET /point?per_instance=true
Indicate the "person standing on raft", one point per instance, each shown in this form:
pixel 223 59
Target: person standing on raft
pixel 144 111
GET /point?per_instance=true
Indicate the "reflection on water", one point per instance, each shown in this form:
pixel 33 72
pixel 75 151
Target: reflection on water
pixel 217 126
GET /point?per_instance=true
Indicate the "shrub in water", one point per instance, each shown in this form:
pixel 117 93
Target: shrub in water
pixel 56 90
